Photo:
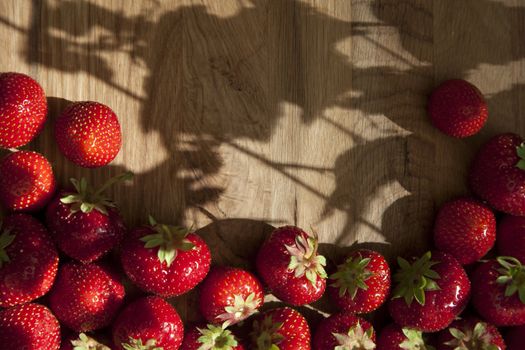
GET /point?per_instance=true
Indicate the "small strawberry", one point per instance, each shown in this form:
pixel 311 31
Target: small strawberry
pixel 210 337
pixel 28 260
pixel 148 323
pixel 27 182
pixel 30 327
pixel 84 223
pixel 283 328
pixel 88 134
pixel 457 108
pixel 23 109
pixel 511 237
pixel 497 174
pixel 82 342
pixel 86 297
pixel 344 331
pixel 430 292
pixel 514 338
pixel 466 229
pixel 230 295
pixel 362 283
pixel 470 334
pixel 289 264
pixel 165 260
pixel 393 337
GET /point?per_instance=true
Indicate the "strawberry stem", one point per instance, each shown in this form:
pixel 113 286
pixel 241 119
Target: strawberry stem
pixel 520 150
pixel 216 337
pixel 352 276
pixel 5 241
pixel 414 340
pixel 87 343
pixel 472 339
pixel 512 274
pixel 304 260
pixel 356 339
pixel 266 334
pixel 136 344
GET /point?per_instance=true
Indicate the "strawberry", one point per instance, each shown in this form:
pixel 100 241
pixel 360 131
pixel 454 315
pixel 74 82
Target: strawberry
pixel 511 237
pixel 498 291
pixel 497 174
pixel 289 264
pixel 84 223
pixel 23 109
pixel 86 297
pixel 465 229
pixel 430 292
pixel 148 323
pixel 344 331
pixel 82 342
pixel 210 337
pixel 28 260
pixel 282 328
pixel 393 337
pixel 230 295
pixel 30 327
pixel 514 338
pixel 164 259
pixel 362 283
pixel 88 134
pixel 27 182
pixel 470 334
pixel 457 108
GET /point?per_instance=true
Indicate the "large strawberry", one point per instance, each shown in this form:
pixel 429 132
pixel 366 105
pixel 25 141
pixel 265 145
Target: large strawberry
pixel 466 229
pixel 23 109
pixel 511 237
pixel 82 342
pixel 497 174
pixel 86 297
pixel 344 331
pixel 28 260
pixel 514 338
pixel 289 264
pixel 362 283
pixel 27 182
pixel 394 337
pixel 470 334
pixel 165 259
pixel 84 223
pixel 88 134
pixel 230 295
pixel 148 323
pixel 29 326
pixel 431 291
pixel 210 337
pixel 283 328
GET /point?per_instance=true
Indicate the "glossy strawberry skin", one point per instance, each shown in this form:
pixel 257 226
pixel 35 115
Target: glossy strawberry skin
pixel 514 338
pixel 511 237
pixel 88 134
pixel 467 325
pixel 23 109
pixel 191 339
pixel 466 229
pixel 29 326
pixel 27 182
pixel 33 261
pixel 149 318
pixel 338 323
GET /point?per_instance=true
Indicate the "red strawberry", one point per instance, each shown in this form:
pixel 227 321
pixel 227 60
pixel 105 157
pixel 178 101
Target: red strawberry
pixel 466 229
pixel 23 109
pixel 497 174
pixel 82 342
pixel 148 323
pixel 498 291
pixel 283 328
pixel 88 134
pixel 164 259
pixel 470 333
pixel 511 237
pixel 27 182
pixel 393 337
pixel 29 326
pixel 514 338
pixel 230 295
pixel 344 331
pixel 289 264
pixel 86 297
pixel 210 337
pixel 430 292
pixel 362 283
pixel 84 223
pixel 28 260
pixel 457 108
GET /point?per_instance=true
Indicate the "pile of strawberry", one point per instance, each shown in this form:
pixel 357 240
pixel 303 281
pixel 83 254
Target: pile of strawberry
pixel 58 289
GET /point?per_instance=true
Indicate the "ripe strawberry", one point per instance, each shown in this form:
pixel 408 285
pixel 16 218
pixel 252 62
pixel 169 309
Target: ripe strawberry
pixel 165 260
pixel 344 331
pixel 86 297
pixel 511 237
pixel 439 286
pixel 514 338
pixel 283 328
pixel 28 260
pixel 289 264
pixel 393 337
pixel 457 108
pixel 84 223
pixel 88 134
pixel 29 326
pixel 148 323
pixel 497 174
pixel 210 337
pixel 362 283
pixel 82 342
pixel 470 333
pixel 230 295
pixel 466 229
pixel 27 182
pixel 23 109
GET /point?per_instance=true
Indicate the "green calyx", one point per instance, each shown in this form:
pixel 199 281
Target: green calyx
pixel 6 238
pixel 512 274
pixel 414 340
pixel 240 310
pixel 413 280
pixel 351 276
pixel 520 150
pixel 355 339
pixel 216 338
pixel 136 344
pixel 87 343
pixel 86 199
pixel 472 339
pixel 304 260
pixel 266 334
